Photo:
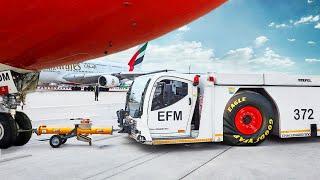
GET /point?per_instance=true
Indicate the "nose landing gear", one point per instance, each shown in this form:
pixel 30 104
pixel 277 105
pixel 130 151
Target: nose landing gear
pixel 15 126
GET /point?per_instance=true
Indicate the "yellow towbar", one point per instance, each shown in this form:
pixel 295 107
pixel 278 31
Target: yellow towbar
pixel 67 130
pixel 80 131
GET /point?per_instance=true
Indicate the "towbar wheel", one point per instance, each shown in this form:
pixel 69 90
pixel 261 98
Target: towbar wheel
pixel 56 141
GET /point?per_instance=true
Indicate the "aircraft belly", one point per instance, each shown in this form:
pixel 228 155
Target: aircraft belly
pixel 40 34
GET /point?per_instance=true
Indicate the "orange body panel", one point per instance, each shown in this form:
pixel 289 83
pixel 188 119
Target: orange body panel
pixel 38 34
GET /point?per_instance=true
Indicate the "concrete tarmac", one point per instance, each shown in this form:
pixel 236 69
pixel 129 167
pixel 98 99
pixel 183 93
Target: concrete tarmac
pixel 119 157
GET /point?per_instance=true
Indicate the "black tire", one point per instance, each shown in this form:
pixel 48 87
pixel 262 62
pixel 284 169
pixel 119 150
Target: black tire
pixel 55 141
pixel 241 110
pixel 8 130
pixel 24 123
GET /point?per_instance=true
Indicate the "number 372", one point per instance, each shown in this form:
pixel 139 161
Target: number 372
pixel 302 114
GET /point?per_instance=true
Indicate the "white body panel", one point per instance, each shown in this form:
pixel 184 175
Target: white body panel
pixel 207 96
pixel 7 80
pixel 289 101
pixel 239 79
pixel 291 80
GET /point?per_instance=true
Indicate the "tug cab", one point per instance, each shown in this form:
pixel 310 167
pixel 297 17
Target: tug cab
pixel 162 107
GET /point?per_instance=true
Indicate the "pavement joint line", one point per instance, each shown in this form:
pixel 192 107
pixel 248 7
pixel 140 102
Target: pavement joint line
pixel 122 164
pixel 213 158
pixel 14 158
pixel 108 137
pixel 136 165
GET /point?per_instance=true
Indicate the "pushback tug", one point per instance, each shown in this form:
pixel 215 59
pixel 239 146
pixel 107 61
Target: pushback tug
pixel 172 108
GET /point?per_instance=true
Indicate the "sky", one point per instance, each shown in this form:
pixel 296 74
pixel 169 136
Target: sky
pixel 241 36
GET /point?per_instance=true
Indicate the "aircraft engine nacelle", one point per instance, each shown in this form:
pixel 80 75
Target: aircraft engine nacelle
pixel 108 81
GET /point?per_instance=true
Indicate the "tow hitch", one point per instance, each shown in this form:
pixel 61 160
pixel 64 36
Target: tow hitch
pixel 124 126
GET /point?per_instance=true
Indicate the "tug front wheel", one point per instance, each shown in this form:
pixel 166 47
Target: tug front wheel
pixel 248 119
pixel 25 127
pixel 8 130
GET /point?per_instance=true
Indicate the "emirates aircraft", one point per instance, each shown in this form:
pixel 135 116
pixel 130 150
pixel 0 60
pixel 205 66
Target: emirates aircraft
pixel 89 74
pixel 36 35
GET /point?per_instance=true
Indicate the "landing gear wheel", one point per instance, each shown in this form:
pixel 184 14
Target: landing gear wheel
pixel 23 123
pixel 248 119
pixel 55 141
pixel 8 130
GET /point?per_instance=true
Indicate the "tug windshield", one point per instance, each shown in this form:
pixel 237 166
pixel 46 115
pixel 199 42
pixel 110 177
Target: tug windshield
pixel 135 96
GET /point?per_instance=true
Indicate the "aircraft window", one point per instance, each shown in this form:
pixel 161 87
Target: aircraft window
pixel 168 92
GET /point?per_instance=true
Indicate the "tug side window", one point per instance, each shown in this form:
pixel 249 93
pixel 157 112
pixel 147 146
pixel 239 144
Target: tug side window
pixel 167 93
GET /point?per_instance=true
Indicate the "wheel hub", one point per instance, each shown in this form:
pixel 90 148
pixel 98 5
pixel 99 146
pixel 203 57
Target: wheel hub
pixel 1 131
pixel 55 141
pixel 248 120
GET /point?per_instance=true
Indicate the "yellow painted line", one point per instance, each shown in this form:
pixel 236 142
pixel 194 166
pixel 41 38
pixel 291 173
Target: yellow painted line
pixel 181 131
pixel 181 141
pixel 296 131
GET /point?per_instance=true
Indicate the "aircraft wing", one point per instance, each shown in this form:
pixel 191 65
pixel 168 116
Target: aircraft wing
pixel 132 75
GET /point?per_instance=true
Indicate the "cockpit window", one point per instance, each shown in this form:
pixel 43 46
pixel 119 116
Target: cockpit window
pixel 136 95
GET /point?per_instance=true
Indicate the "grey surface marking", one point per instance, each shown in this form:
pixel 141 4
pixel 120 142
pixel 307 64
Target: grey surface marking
pixel 122 164
pixel 136 165
pixel 14 158
pixel 214 157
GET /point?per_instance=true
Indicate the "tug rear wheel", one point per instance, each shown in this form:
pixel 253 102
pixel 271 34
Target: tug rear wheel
pixel 8 130
pixel 248 119
pixel 24 124
pixel 55 141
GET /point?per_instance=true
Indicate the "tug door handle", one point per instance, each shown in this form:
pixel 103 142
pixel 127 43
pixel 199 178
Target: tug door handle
pixel 190 101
